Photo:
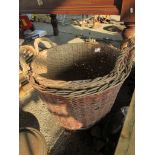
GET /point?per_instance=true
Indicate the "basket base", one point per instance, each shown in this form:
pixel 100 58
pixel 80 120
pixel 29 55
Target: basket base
pixel 83 128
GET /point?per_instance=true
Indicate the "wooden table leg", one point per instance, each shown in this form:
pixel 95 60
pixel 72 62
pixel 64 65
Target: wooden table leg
pixel 54 23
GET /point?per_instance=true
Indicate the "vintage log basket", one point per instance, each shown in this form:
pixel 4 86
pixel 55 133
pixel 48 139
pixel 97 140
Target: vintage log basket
pixel 78 81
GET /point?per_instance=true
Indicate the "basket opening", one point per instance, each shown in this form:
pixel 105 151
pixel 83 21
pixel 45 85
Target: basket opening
pixel 88 63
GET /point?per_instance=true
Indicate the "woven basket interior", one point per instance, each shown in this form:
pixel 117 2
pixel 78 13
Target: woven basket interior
pixel 78 61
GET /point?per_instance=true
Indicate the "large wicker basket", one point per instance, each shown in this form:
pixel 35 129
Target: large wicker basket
pixel 79 81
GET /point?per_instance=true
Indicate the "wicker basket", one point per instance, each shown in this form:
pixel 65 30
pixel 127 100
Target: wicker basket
pixel 79 81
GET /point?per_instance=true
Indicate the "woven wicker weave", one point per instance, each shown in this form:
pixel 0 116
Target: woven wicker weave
pixel 79 81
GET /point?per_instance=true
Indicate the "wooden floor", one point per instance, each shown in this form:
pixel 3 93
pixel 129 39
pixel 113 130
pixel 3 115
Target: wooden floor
pixel 126 144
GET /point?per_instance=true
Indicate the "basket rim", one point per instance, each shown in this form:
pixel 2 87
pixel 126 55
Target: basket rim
pixel 75 84
pixel 38 88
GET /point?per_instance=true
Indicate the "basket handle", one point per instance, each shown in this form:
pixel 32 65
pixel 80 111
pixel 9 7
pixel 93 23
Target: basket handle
pixel 45 41
pixel 34 51
pixel 22 50
pixel 126 55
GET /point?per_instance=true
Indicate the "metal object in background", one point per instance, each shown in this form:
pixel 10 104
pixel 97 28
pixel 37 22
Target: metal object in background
pixel 40 2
